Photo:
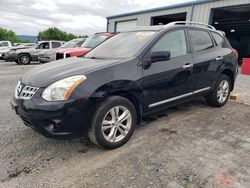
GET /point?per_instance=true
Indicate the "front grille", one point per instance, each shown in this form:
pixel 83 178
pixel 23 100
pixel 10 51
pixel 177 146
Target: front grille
pixel 25 91
pixel 59 56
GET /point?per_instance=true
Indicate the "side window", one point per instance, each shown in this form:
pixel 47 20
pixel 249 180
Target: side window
pixel 44 45
pixel 200 40
pixel 218 38
pixel 56 44
pixel 175 42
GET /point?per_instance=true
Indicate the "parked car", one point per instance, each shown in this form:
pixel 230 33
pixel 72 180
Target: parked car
pixel 50 55
pixel 25 55
pixel 135 73
pixel 5 44
pixel 4 47
pixel 90 43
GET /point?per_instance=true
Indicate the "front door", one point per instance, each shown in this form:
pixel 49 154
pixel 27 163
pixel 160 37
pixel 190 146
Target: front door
pixel 41 47
pixel 165 82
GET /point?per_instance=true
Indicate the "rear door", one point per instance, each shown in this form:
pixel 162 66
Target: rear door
pixel 168 81
pixel 207 57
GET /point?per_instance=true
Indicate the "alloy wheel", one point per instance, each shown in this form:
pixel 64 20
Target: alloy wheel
pixel 223 91
pixel 116 124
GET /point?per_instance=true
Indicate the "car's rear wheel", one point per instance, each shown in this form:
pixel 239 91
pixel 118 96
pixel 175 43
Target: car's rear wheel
pixel 221 92
pixel 113 123
pixel 24 59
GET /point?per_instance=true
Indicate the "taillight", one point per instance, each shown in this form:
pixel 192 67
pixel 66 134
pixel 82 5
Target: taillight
pixel 235 52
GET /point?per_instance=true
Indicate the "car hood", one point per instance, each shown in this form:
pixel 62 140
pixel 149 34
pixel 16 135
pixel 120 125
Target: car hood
pixel 70 50
pixel 44 75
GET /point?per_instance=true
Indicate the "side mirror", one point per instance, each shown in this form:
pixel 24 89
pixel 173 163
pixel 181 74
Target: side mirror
pixel 160 56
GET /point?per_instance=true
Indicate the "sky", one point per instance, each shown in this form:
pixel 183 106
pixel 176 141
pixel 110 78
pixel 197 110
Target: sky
pixel 76 16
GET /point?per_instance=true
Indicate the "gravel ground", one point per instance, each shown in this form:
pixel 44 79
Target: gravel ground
pixel 190 146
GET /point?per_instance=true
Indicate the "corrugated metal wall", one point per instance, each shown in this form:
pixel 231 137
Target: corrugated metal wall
pixel 201 13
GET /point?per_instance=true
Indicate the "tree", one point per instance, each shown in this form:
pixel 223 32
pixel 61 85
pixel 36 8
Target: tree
pixel 54 33
pixel 8 35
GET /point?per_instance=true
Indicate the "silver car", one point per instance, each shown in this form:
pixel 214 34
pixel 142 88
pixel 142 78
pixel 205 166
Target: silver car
pixel 25 56
pixel 50 55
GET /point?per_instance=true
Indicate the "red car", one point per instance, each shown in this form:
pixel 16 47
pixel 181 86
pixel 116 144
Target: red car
pixel 90 43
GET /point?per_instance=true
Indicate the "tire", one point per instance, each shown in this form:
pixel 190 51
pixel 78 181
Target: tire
pixel 24 59
pixel 221 92
pixel 100 133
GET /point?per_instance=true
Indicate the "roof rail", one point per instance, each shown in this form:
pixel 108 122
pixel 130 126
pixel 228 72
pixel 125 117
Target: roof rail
pixel 191 23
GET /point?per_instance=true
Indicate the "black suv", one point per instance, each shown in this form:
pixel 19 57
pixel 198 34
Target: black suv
pixel 106 93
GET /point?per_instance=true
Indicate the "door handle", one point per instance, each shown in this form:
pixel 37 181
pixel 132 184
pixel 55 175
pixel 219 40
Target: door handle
pixel 219 58
pixel 187 66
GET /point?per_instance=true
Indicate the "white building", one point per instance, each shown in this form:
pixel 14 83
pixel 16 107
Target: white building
pixel 230 16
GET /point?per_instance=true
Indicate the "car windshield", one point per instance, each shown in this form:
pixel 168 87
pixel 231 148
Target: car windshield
pixel 94 40
pixel 73 43
pixel 121 46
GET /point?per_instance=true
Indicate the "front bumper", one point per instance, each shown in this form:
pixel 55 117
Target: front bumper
pixel 10 57
pixel 53 119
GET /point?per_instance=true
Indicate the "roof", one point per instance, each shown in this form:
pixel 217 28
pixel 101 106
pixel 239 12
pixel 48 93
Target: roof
pixel 194 2
pixel 173 24
pixel 146 28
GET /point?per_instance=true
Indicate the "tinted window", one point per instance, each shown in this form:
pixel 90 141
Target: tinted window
pixel 4 44
pixel 200 40
pixel 44 45
pixel 218 38
pixel 175 42
pixel 56 44
pixel 226 44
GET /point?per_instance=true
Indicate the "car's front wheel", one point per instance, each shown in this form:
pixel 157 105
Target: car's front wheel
pixel 113 123
pixel 221 92
pixel 24 59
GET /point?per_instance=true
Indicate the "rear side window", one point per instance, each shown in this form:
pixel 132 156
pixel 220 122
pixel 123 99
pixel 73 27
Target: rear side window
pixel 200 40
pixel 218 38
pixel 226 44
pixel 56 44
pixel 175 42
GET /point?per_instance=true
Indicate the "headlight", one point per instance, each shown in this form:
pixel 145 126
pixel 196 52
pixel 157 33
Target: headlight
pixel 62 89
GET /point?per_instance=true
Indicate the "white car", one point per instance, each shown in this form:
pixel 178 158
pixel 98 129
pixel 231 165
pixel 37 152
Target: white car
pixel 4 48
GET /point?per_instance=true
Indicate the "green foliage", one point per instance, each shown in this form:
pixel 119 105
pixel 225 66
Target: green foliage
pixel 8 35
pixel 54 33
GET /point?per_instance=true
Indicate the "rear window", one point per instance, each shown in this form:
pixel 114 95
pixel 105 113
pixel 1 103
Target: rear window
pixel 218 38
pixel 200 40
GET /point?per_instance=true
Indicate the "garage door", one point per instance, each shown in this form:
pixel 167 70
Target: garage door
pixel 124 25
